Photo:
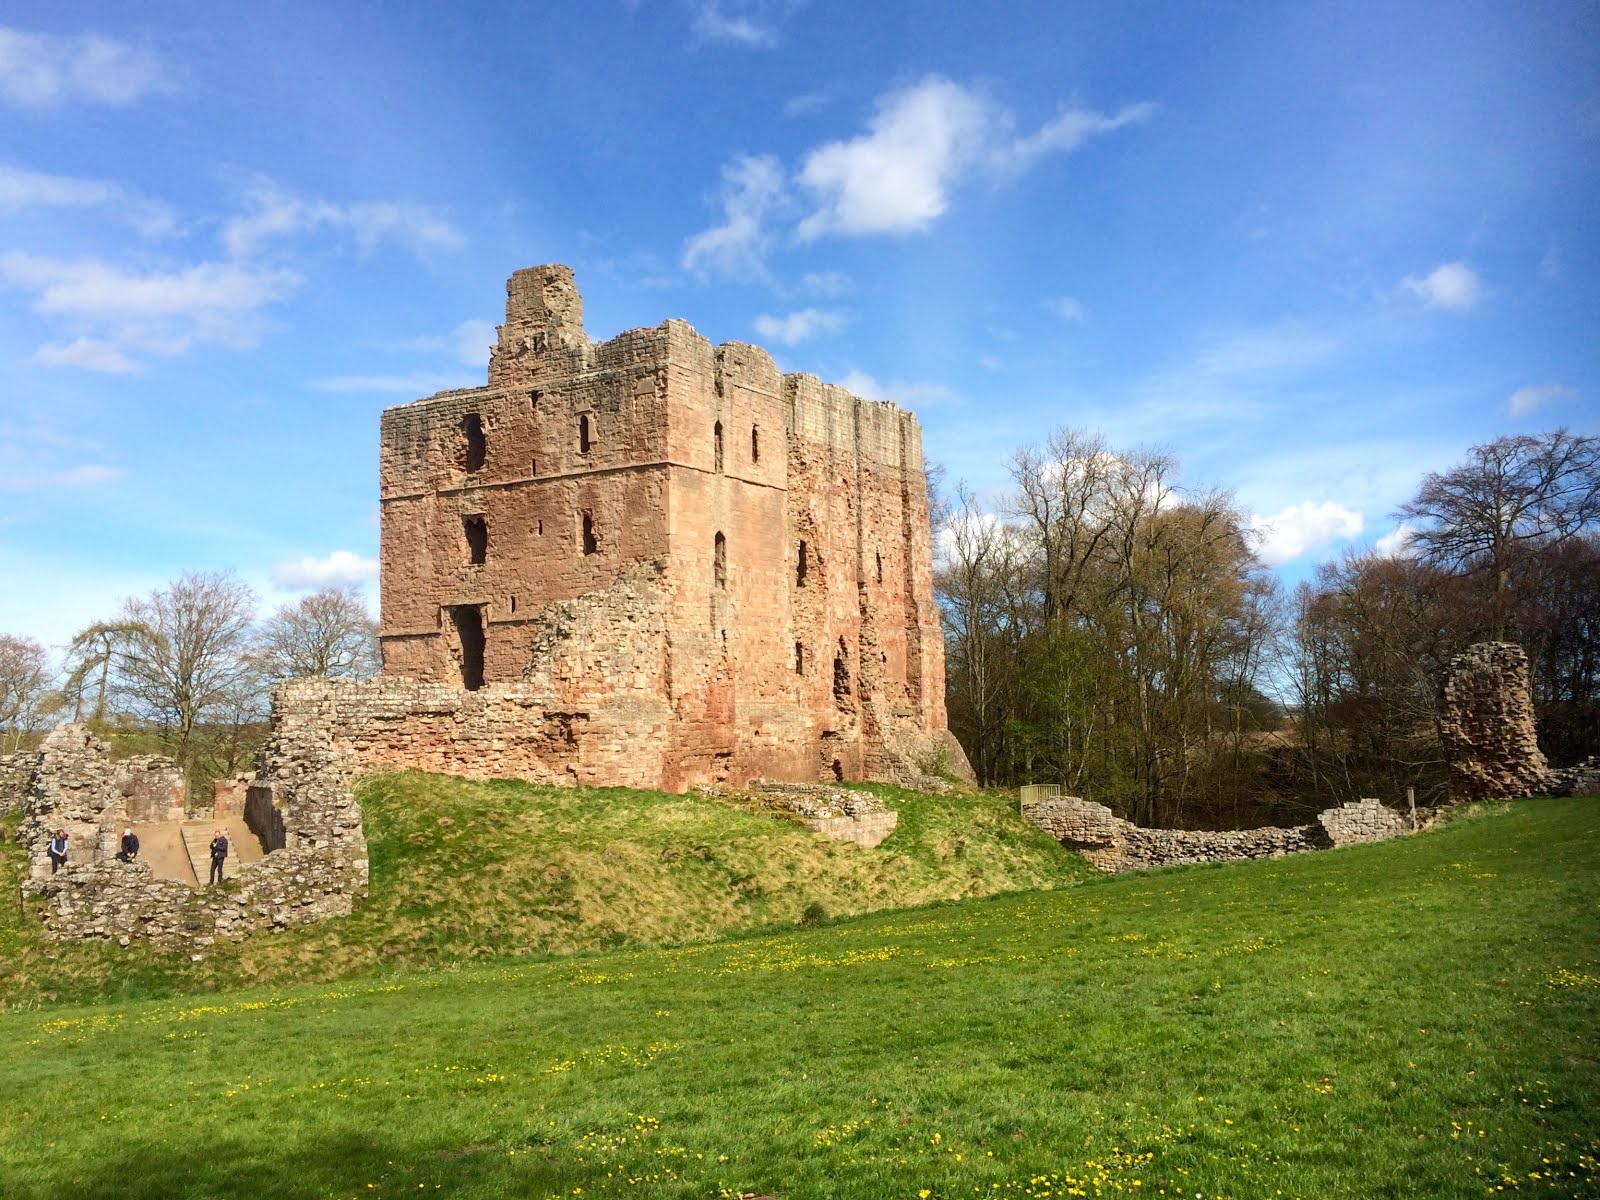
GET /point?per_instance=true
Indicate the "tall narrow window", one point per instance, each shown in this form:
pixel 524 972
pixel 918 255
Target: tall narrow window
pixel 533 466
pixel 468 621
pixel 477 531
pixel 719 562
pixel 799 658
pixel 591 543
pixel 584 437
pixel 533 401
pixel 716 447
pixel 880 568
pixel 476 449
pixel 841 675
pixel 801 565
pixel 755 444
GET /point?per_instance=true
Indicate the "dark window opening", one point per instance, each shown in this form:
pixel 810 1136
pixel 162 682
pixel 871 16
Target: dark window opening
pixel 533 401
pixel 719 564
pixel 583 434
pixel 716 447
pixel 477 531
pixel 538 527
pixel 533 466
pixel 755 444
pixel 513 604
pixel 801 565
pixel 477 445
pixel 468 620
pixel 838 771
pixel 591 543
pixel 841 675
pixel 799 658
pixel 880 568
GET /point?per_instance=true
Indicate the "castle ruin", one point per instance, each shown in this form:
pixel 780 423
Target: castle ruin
pixel 653 562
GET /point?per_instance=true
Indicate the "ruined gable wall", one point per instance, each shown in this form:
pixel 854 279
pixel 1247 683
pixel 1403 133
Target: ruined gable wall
pixel 1486 724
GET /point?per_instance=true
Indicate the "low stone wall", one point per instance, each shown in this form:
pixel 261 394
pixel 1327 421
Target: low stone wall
pixel 316 865
pixel 1113 845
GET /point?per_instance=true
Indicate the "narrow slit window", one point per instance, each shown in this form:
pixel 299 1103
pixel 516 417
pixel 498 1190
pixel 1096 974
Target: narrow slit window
pixel 533 466
pixel 755 444
pixel 513 604
pixel 719 561
pixel 585 435
pixel 801 565
pixel 477 447
pixel 841 674
pixel 477 531
pixel 880 568
pixel 591 543
pixel 716 447
pixel 799 658
pixel 538 527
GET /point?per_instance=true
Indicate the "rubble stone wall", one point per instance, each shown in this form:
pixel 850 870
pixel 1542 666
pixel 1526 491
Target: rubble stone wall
pixel 1487 727
pixel 667 562
pixel 16 773
pixel 1114 845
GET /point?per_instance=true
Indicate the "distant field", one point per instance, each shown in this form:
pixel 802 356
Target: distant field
pixel 1416 1018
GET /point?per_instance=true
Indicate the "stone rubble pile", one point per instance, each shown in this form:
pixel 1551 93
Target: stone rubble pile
pixel 833 812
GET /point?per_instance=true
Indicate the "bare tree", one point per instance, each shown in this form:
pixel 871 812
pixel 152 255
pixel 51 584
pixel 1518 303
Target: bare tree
pixel 327 634
pixel 185 658
pixel 26 697
pixel 89 658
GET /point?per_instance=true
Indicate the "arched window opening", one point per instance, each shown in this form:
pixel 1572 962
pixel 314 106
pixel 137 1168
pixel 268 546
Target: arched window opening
pixel 533 401
pixel 585 438
pixel 716 447
pixel 719 563
pixel 477 531
pixel 755 444
pixel 591 543
pixel 477 447
pixel 801 565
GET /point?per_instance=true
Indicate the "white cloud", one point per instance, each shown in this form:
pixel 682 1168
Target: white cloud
pixel 752 189
pixel 1396 543
pixel 1452 286
pixel 119 314
pixel 826 283
pixel 1301 528
pixel 744 24
pixel 1067 308
pixel 799 326
pixel 307 574
pixel 39 70
pixel 472 340
pixel 905 393
pixel 1525 399
pixel 897 177
pixel 420 384
pixel 277 213
pixel 88 475
pixel 22 190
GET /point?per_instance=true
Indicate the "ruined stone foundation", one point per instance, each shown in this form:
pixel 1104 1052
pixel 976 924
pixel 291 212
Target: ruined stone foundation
pixel 649 561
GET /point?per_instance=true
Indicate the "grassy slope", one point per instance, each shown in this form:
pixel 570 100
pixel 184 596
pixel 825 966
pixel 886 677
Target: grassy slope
pixel 475 870
pixel 1415 1018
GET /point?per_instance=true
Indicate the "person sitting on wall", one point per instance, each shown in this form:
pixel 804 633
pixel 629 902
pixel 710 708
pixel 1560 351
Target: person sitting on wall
pixel 58 851
pixel 219 852
pixel 130 846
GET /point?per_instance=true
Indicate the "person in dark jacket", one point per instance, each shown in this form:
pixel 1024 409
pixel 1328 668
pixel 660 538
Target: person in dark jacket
pixel 219 852
pixel 130 845
pixel 58 851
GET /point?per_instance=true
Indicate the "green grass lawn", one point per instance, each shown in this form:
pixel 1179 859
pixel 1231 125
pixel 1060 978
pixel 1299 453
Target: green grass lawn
pixel 1416 1018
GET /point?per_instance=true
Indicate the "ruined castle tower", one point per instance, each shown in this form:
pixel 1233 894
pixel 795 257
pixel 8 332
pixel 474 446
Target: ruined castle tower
pixel 695 568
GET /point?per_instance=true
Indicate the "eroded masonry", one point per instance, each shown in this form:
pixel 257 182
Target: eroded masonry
pixel 651 561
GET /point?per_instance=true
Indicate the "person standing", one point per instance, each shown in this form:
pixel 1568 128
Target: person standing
pixel 219 852
pixel 58 851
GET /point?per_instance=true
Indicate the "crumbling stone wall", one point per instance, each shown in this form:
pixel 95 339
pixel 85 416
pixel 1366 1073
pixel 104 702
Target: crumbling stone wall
pixel 318 869
pixel 1487 727
pixel 1114 845
pixel 16 773
pixel 694 568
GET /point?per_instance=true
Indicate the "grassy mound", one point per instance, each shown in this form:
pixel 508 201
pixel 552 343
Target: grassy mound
pixel 464 870
pixel 1415 1018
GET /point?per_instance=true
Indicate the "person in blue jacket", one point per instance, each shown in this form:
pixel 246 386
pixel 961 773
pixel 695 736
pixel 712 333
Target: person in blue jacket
pixel 219 853
pixel 58 851
pixel 130 845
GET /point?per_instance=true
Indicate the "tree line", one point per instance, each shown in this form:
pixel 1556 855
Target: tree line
pixel 185 670
pixel 1112 632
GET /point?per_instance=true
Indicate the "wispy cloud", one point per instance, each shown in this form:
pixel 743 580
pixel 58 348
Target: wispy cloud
pixel 468 343
pixel 800 326
pixel 752 189
pixel 1301 528
pixel 1396 543
pixel 1526 399
pixel 120 315
pixel 419 384
pixel 826 283
pixel 1067 308
pixel 749 23
pixel 897 177
pixel 276 213
pixel 339 567
pixel 1452 286
pixel 42 70
pixel 22 190
pixel 906 393
pixel 87 475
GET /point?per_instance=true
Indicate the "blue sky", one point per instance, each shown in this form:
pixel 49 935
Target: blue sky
pixel 1313 249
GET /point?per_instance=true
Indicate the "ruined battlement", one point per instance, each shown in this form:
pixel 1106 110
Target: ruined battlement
pixel 760 539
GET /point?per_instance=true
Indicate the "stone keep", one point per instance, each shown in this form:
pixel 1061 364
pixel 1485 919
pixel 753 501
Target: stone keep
pixel 667 561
